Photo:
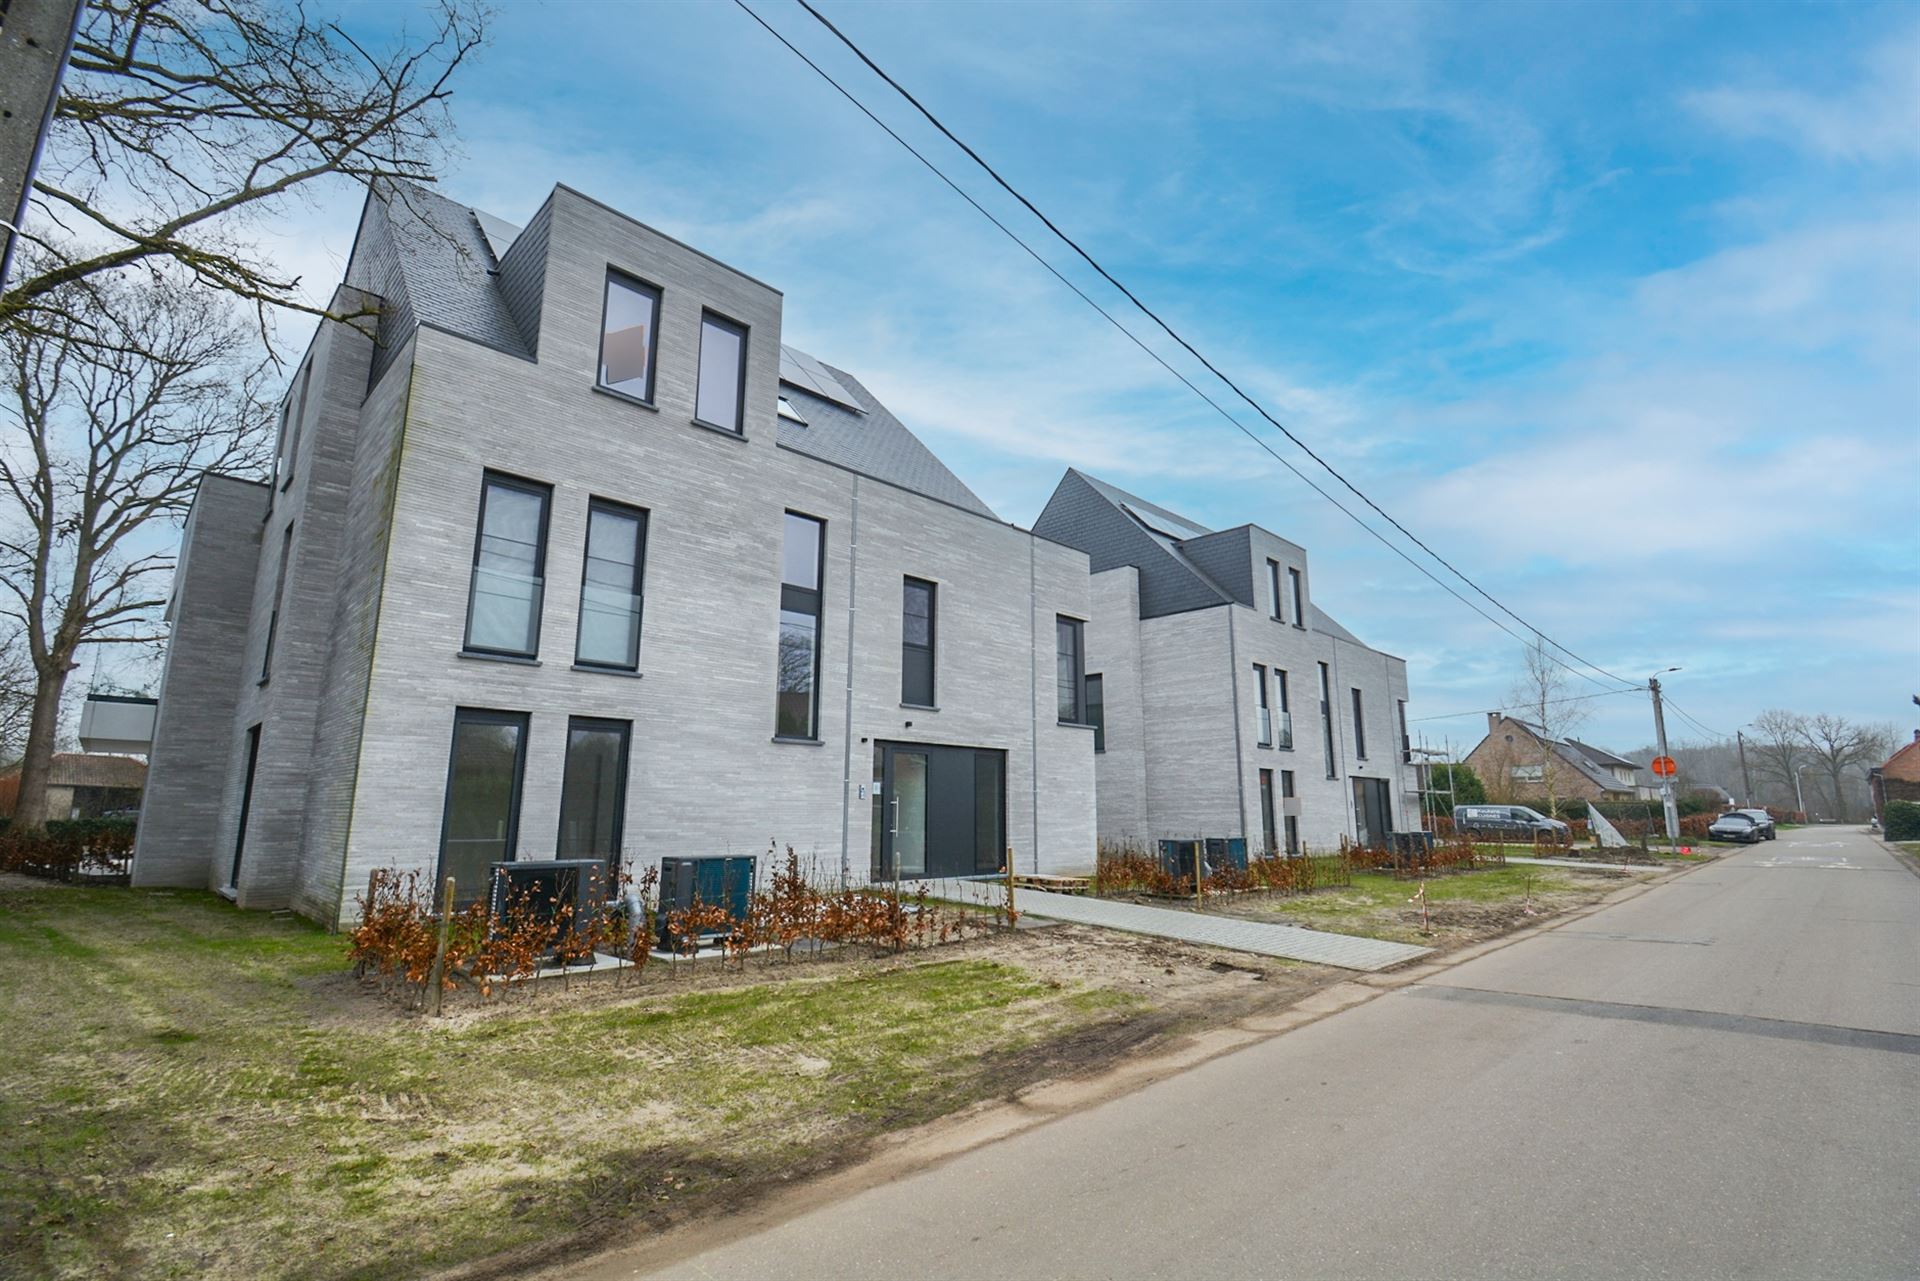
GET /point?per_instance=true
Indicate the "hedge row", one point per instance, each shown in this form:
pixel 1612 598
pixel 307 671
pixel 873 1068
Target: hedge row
pixel 67 847
pixel 1902 820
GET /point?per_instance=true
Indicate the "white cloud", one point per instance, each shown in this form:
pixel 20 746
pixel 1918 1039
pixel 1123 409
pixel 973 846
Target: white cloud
pixel 1877 119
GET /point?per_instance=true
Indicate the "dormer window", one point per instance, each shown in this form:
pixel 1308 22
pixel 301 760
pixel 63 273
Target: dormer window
pixel 629 337
pixel 723 373
pixel 792 415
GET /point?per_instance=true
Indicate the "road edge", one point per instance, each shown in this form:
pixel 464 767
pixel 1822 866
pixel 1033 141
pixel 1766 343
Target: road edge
pixel 928 1146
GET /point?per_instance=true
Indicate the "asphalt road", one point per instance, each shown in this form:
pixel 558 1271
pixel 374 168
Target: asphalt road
pixel 1719 1078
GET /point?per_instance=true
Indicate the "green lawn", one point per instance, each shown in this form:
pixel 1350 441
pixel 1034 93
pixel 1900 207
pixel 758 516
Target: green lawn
pixel 1462 907
pixel 190 1091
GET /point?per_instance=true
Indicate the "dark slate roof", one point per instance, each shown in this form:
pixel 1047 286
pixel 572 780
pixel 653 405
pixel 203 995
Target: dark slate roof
pixel 1183 565
pixel 1602 755
pixel 440 263
pixel 873 443
pixel 1580 757
pixel 91 769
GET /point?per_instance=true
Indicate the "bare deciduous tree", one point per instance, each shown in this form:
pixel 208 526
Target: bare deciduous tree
pixel 16 696
pixel 180 121
pixel 110 440
pixel 1779 746
pixel 1539 694
pixel 1837 746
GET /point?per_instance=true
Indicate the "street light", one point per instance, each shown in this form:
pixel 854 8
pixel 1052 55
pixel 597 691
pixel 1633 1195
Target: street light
pixel 1798 799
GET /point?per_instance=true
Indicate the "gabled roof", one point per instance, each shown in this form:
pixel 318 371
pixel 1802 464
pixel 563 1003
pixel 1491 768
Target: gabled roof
pixel 1602 755
pixel 1175 556
pixel 91 769
pixel 1905 763
pixel 1577 756
pixel 463 271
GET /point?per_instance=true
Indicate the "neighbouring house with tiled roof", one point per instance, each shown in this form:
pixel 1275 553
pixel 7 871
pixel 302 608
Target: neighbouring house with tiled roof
pixel 1897 779
pixel 1519 761
pixel 83 785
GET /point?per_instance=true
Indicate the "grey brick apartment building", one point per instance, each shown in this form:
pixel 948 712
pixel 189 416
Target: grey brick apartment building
pixel 565 553
pixel 1228 704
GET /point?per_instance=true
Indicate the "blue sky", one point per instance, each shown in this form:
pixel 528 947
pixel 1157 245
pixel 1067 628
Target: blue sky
pixel 1617 306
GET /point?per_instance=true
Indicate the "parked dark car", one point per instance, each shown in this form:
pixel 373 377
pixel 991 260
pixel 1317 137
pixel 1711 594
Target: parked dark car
pixel 1507 823
pixel 1762 820
pixel 1735 826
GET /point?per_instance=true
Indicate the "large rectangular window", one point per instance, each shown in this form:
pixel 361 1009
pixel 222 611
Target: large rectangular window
pixel 1070 669
pixel 1267 832
pixel 1406 744
pixel 279 591
pixel 1273 591
pixel 509 564
pixel 293 431
pixel 723 373
pixel 482 822
pixel 916 642
pixel 797 696
pixel 629 337
pixel 1097 709
pixel 1285 727
pixel 1326 720
pixel 1299 598
pixel 1265 708
pixel 1359 728
pixel 609 634
pixel 593 790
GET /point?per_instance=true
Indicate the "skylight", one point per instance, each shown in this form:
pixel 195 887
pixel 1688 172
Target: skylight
pixel 788 412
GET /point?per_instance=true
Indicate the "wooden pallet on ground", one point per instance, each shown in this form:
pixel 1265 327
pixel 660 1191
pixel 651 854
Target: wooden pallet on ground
pixel 1054 884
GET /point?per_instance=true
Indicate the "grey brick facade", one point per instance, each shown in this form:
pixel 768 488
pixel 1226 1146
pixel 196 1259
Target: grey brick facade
pixel 475 371
pixel 1182 615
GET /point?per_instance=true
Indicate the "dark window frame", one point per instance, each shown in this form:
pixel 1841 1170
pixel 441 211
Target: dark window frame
pixel 523 721
pixel 1359 726
pixel 803 600
pixel 544 492
pixel 1077 628
pixel 1263 723
pixel 653 339
pixel 1273 590
pixel 246 806
pixel 599 724
pixel 291 440
pixel 1297 589
pixel 1283 725
pixel 723 321
pixel 909 650
pixel 1326 720
pixel 1095 683
pixel 642 516
pixel 279 596
pixel 1269 831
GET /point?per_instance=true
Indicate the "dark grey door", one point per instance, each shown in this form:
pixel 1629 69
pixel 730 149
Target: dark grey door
pixel 1372 814
pixel 940 811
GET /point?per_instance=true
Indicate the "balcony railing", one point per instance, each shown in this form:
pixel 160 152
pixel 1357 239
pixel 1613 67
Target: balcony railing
pixel 503 613
pixel 609 627
pixel 1286 730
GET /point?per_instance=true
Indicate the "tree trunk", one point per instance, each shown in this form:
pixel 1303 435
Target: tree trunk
pixel 30 811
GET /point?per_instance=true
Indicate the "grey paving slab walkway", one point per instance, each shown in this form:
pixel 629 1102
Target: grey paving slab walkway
pixel 1586 863
pixel 1263 938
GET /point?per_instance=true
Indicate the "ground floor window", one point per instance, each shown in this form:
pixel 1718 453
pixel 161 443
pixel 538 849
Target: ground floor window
pixel 1267 833
pixel 481 824
pixel 594 788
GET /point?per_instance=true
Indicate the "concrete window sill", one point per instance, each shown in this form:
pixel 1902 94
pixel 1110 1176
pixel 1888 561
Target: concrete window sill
pixel 513 659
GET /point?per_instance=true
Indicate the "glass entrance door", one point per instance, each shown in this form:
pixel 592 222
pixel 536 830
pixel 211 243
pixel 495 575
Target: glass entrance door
pixel 907 816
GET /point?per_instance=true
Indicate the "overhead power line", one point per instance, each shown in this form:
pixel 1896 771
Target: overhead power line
pixel 1248 432
pixel 1689 719
pixel 1174 334
pixel 1571 698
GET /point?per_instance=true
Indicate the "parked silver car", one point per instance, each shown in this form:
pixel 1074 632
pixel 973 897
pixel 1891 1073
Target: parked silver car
pixel 1735 826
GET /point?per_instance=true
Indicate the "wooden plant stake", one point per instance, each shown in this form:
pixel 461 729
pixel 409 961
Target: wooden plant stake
pixel 1012 917
pixel 1420 897
pixel 440 950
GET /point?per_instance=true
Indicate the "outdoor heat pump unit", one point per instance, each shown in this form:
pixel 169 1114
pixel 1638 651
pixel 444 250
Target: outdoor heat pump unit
pixel 712 882
pixel 1219 853
pixel 546 885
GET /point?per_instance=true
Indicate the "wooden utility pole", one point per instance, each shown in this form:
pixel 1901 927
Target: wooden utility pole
pixel 1666 780
pixel 1746 779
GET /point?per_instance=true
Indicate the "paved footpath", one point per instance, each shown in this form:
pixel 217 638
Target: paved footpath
pixel 1262 938
pixel 1717 1078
